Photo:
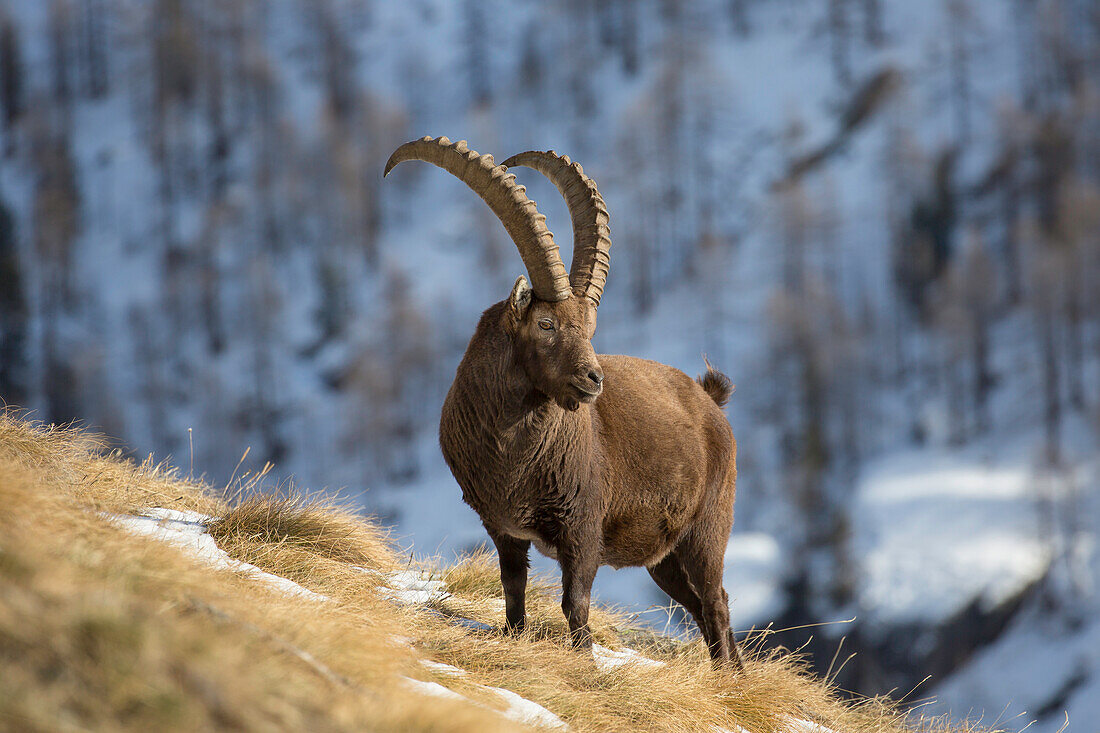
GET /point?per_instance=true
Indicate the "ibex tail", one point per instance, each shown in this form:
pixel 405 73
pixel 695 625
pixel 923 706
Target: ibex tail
pixel 716 384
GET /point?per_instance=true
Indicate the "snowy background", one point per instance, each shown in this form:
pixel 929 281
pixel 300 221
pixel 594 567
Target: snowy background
pixel 880 218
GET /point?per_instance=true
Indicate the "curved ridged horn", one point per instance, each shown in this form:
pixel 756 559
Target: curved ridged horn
pixel 591 235
pixel 508 200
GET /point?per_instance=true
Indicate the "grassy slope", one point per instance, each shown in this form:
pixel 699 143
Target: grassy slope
pixel 101 629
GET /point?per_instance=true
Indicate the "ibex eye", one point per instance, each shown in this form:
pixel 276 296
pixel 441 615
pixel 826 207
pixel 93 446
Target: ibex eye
pixel 546 324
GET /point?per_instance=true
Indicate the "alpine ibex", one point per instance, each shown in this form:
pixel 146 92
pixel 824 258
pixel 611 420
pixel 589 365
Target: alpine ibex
pixel 597 460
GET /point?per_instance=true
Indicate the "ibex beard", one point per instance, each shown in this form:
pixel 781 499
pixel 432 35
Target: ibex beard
pixel 596 459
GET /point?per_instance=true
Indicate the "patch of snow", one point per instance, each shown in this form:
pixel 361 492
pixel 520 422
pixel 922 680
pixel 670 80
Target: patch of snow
pixel 188 530
pixel 519 709
pixel 609 659
pixel 522 710
pixel 180 516
pixel 1036 665
pixel 794 725
pixel 410 587
pixel 447 670
pixel 414 587
pixel 935 532
pixel 801 725
pixel 433 689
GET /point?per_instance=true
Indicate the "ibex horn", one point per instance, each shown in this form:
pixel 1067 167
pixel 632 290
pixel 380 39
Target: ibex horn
pixel 508 200
pixel 591 235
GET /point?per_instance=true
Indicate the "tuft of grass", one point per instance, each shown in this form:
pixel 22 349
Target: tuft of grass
pixel 315 524
pixel 101 629
pixel 475 576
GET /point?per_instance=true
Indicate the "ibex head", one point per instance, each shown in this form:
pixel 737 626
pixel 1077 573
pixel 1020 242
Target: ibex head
pixel 553 319
pixel 553 345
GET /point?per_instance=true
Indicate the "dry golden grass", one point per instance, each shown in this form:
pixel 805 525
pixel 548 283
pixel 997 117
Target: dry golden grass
pixel 315 525
pixel 105 630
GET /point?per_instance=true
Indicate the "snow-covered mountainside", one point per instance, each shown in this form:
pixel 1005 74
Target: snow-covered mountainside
pixel 878 217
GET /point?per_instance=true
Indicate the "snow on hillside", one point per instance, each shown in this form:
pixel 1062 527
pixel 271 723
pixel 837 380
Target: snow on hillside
pixel 1047 669
pixel 935 534
pixel 1046 664
pixel 188 530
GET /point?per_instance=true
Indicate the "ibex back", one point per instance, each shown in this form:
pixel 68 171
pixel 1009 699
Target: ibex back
pixel 596 459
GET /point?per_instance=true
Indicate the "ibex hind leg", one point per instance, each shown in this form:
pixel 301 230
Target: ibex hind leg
pixel 669 577
pixel 736 662
pixel 702 564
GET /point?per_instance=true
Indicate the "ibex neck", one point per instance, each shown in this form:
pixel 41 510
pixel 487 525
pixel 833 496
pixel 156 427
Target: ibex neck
pixel 511 448
pixel 509 397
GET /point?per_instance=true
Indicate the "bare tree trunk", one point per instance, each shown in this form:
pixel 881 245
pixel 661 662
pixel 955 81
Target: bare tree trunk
pixel 151 361
pixel 338 59
pixel 1010 213
pixel 214 101
pixel 873 32
pixel 477 60
pixel 1024 24
pixel 840 40
pixel 956 397
pixel 60 385
pixel 94 42
pixel 1074 335
pixel 630 43
pixel 959 15
pixel 739 16
pixel 265 412
pixel 60 30
pixel 644 268
pixel 14 317
pixel 1052 403
pixel 608 22
pixel 208 251
pixel 983 378
pixel 11 80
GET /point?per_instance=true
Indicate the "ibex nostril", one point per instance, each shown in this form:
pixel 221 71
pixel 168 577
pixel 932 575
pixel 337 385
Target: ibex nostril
pixel 596 378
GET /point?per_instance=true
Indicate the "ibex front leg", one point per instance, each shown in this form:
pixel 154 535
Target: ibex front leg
pixel 578 571
pixel 513 577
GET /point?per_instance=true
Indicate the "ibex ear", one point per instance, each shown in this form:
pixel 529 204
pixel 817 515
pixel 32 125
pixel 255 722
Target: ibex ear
pixel 520 299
